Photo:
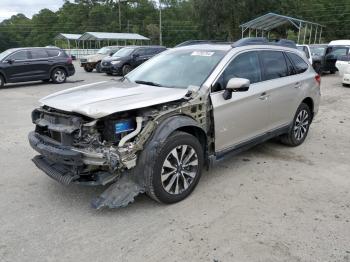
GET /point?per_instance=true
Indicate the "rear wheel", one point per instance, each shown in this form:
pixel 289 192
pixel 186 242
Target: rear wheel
pixel 300 127
pixel 2 81
pixel 176 169
pixel 88 68
pixel 98 67
pixel 332 72
pixel 59 76
pixel 126 69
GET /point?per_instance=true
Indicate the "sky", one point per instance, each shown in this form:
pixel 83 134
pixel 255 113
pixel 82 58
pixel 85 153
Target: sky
pixel 27 7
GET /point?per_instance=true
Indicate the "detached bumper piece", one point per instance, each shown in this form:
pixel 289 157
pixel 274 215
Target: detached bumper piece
pixel 56 171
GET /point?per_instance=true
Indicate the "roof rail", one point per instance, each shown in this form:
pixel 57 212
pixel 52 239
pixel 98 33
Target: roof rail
pixel 202 42
pixel 264 41
pixel 251 41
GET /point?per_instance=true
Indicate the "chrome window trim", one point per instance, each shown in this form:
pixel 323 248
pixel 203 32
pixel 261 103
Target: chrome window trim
pixel 28 50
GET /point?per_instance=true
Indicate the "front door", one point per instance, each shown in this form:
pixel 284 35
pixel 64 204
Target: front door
pixel 17 67
pixel 246 115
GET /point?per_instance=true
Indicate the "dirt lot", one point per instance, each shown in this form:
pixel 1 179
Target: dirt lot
pixel 271 203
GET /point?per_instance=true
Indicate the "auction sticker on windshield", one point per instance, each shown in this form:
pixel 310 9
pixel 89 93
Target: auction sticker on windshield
pixel 202 53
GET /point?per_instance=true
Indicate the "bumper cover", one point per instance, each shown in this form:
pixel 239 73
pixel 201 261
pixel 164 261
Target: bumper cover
pixel 54 152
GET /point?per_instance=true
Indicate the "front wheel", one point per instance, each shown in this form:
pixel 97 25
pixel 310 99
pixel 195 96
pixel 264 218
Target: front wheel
pixel 176 170
pixel 300 127
pixel 2 81
pixel 98 67
pixel 59 76
pixel 88 68
pixel 126 69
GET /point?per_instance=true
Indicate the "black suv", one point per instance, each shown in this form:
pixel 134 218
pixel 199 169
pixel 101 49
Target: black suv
pixel 128 58
pixel 35 63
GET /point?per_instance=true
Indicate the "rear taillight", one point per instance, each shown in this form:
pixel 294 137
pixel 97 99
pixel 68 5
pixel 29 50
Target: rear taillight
pixel 318 79
pixel 69 60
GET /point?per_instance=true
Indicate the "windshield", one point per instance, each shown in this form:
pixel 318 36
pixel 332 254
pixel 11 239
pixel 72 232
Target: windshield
pixel 317 51
pixel 124 52
pixel 4 54
pixel 177 68
pixel 104 51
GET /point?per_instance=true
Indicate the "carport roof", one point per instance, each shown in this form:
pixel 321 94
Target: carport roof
pixel 271 21
pixel 67 36
pixel 111 36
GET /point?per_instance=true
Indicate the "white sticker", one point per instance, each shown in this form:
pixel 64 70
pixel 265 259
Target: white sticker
pixel 202 53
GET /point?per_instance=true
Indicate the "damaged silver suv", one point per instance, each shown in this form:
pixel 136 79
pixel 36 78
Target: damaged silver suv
pixel 154 130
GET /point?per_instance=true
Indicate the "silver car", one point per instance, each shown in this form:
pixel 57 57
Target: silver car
pixel 156 129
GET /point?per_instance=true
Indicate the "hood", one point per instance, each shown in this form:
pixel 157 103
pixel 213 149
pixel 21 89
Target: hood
pixel 113 58
pixel 101 99
pixel 95 57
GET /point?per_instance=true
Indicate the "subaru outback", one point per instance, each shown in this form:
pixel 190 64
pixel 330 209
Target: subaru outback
pixel 156 129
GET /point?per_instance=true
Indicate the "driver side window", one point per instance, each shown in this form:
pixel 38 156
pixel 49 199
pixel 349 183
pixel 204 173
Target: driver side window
pixel 245 65
pixel 19 56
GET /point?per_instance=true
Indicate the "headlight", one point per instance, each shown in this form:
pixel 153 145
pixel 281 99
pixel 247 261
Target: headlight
pixel 115 62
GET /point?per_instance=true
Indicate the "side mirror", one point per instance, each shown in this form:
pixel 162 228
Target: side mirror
pixel 236 85
pixel 111 53
pixel 135 55
pixel 10 61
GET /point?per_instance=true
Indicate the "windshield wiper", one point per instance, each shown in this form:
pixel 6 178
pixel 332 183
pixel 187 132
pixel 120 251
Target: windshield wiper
pixel 147 83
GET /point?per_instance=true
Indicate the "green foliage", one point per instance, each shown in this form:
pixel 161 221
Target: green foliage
pixel 182 19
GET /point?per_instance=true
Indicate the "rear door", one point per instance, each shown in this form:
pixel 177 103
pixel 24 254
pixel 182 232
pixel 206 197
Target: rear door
pixel 17 67
pixel 142 56
pixel 285 86
pixel 246 114
pixel 40 65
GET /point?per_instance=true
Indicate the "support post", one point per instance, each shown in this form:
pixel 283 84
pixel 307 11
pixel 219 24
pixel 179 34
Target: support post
pixel 305 31
pixel 319 41
pixel 160 24
pixel 315 35
pixel 300 25
pixel 310 35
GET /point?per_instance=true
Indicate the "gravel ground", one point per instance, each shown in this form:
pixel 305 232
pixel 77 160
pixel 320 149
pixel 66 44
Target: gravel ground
pixel 272 203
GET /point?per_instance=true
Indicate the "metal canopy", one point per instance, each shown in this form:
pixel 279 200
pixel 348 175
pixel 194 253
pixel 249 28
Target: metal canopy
pixel 101 36
pixel 264 24
pixel 67 37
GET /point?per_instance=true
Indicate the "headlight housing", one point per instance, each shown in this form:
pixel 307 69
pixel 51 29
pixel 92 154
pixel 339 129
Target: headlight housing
pixel 115 62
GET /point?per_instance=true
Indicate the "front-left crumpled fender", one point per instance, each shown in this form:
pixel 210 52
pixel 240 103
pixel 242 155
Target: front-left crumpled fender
pixel 134 182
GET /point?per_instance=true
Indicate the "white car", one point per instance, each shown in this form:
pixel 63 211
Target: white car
pixel 343 65
pixel 307 51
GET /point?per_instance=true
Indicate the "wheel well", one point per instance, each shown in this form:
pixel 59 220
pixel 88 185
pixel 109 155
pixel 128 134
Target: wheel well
pixel 199 134
pixel 310 103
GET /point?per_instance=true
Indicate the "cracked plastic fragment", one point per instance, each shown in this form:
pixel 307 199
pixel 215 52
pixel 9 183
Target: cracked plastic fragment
pixel 119 194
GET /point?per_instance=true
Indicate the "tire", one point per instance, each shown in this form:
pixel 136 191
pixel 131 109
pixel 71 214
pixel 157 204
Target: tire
pixel 170 181
pixel 300 127
pixel 332 72
pixel 98 67
pixel 110 74
pixel 318 68
pixel 2 81
pixel 126 69
pixel 59 76
pixel 88 68
pixel 346 85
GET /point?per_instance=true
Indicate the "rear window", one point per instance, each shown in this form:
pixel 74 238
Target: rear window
pixel 53 53
pixel 274 64
pixel 299 64
pixel 345 58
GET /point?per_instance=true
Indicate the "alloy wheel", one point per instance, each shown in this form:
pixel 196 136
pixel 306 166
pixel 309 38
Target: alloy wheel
pixel 301 125
pixel 60 76
pixel 179 169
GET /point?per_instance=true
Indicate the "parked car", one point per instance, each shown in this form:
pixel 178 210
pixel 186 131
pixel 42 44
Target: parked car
pixel 155 129
pixel 318 52
pixel 128 58
pixel 335 50
pixel 307 51
pixel 343 65
pixel 35 63
pixel 92 62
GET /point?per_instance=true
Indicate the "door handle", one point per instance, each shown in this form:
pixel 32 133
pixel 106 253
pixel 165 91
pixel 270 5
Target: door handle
pixel 264 96
pixel 297 85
